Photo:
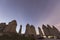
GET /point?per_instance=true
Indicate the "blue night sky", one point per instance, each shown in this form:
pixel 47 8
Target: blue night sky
pixel 36 12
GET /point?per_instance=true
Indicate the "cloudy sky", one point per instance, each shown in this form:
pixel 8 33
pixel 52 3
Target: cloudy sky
pixel 36 12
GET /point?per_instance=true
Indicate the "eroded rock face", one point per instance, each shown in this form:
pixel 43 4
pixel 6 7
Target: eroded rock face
pixel 30 30
pixel 40 32
pixel 33 31
pixel 50 30
pixel 11 27
pixel 6 28
pixel 46 31
pixel 56 32
pixel 27 32
pixel 2 27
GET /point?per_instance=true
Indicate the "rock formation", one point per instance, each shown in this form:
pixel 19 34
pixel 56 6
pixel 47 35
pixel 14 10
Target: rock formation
pixel 2 27
pixel 46 31
pixel 27 32
pixel 30 30
pixel 50 30
pixel 20 29
pixel 11 27
pixel 40 32
pixel 6 28
pixel 33 31
pixel 56 32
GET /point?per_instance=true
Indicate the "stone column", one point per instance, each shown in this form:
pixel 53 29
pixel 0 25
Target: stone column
pixel 33 31
pixel 20 29
pixel 27 32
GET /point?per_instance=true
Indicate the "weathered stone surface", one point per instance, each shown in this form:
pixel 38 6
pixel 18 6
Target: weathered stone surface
pixel 56 32
pixel 30 30
pixel 27 32
pixel 40 32
pixel 2 27
pixel 46 31
pixel 33 31
pixel 20 29
pixel 6 28
pixel 11 27
pixel 50 30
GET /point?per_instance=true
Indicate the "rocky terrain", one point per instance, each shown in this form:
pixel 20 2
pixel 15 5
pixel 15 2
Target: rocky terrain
pixel 8 32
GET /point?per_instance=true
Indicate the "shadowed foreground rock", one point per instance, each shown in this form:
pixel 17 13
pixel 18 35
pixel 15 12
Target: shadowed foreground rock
pixel 15 36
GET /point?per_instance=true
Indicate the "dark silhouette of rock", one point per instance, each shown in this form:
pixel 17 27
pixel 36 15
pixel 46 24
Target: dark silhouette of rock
pixel 56 32
pixel 50 30
pixel 40 32
pixel 20 29
pixel 2 27
pixel 46 31
pixel 6 28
